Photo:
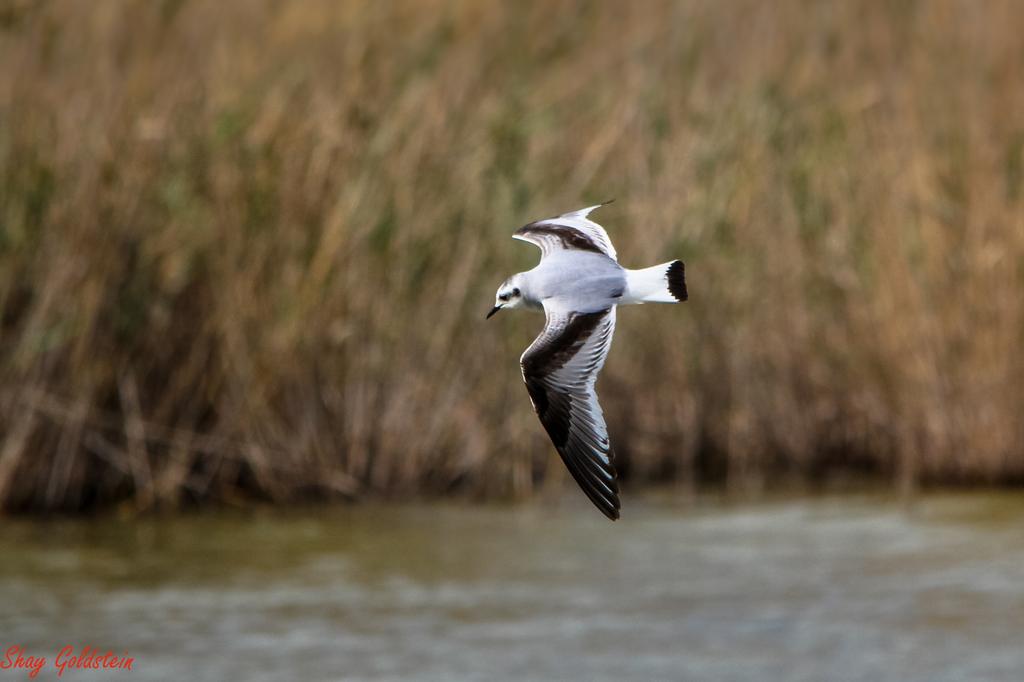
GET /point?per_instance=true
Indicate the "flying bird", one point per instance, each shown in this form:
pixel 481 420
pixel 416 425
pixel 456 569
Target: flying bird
pixel 578 284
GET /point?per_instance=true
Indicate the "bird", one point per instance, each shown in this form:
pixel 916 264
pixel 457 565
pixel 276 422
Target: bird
pixel 578 284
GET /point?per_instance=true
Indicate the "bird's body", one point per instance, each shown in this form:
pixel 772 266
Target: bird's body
pixel 580 281
pixel 578 284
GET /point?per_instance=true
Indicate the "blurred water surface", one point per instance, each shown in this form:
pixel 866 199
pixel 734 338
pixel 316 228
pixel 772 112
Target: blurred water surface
pixel 837 588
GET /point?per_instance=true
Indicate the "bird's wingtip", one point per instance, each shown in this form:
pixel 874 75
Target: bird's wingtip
pixel 584 212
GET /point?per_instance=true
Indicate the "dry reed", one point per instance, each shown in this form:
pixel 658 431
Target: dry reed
pixel 246 247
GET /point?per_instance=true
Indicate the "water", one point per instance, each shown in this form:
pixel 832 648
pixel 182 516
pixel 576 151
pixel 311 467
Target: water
pixel 847 588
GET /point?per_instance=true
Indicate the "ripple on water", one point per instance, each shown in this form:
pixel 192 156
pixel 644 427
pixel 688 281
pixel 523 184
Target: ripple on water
pixel 834 588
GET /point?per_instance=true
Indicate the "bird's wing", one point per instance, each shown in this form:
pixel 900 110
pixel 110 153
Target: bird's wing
pixel 570 231
pixel 560 368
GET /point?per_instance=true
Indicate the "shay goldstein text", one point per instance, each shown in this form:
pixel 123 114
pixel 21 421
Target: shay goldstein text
pixel 89 658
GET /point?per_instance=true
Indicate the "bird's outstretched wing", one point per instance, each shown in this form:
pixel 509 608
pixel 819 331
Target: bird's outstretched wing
pixel 560 368
pixel 570 231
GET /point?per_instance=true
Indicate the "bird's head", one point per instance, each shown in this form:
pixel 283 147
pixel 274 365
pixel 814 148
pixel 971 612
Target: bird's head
pixel 509 295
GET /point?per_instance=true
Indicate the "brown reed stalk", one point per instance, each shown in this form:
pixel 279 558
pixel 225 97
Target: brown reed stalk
pixel 245 247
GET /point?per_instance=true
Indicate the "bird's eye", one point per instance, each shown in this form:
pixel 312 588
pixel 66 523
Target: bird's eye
pixel 515 292
pixel 503 297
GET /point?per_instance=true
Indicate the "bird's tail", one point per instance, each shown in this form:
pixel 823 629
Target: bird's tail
pixel 665 283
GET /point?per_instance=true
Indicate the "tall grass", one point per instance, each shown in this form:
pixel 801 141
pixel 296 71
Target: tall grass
pixel 246 247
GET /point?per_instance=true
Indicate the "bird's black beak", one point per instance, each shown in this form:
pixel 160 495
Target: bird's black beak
pixel 493 310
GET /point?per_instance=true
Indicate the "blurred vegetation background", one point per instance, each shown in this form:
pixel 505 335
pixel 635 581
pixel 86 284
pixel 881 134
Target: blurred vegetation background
pixel 246 247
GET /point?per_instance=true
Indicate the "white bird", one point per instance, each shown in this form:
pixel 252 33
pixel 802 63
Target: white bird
pixel 578 284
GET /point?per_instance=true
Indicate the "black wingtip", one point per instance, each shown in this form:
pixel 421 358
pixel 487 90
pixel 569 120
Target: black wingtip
pixel 603 493
pixel 612 510
pixel 608 507
pixel 677 280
